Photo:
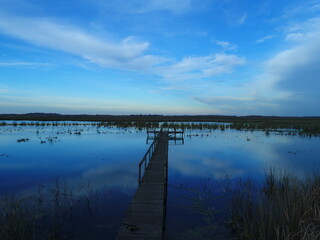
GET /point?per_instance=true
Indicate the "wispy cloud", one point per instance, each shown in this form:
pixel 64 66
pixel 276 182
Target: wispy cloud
pixel 79 105
pixel 298 67
pixel 261 40
pixel 6 91
pixel 248 99
pixel 242 19
pixel 298 10
pixel 315 7
pixel 172 88
pixel 225 45
pixel 303 31
pixel 290 77
pixel 220 99
pixel 288 83
pixel 297 36
pixel 125 54
pixel 200 67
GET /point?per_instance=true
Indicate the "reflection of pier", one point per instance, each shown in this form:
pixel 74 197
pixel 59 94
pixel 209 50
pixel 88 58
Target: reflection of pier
pixel 146 215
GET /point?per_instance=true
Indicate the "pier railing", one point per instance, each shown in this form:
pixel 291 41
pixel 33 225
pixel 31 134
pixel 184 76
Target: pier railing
pixel 143 164
pixel 175 135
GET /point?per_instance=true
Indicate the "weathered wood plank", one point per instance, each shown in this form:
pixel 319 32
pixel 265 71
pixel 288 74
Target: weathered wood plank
pixel 145 217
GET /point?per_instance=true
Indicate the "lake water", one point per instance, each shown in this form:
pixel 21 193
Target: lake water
pixel 106 161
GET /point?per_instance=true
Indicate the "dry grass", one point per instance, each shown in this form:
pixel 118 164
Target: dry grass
pixel 285 207
pixel 47 214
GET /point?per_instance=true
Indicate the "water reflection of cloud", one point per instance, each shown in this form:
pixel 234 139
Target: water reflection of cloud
pixel 103 178
pixel 198 166
pixel 99 159
pixel 115 176
pixel 233 154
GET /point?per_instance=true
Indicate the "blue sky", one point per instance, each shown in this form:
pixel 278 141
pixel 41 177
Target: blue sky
pixel 160 57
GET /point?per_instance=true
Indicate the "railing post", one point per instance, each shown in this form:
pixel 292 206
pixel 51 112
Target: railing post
pixel 139 174
pixel 145 164
pixel 148 155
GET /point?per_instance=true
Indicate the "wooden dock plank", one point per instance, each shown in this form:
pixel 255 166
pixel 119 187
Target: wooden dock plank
pixel 145 217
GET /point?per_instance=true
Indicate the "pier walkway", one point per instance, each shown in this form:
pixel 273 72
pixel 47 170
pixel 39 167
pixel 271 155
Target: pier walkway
pixel 146 215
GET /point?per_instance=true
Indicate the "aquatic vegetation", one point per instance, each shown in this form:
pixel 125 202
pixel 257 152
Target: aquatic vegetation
pixel 208 204
pixel 304 126
pixel 284 207
pixel 49 213
pixel 23 140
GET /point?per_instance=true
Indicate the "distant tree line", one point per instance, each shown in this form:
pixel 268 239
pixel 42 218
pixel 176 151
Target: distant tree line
pixel 152 118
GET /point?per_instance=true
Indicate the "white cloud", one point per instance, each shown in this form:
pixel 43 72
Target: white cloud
pixel 298 63
pixel 219 99
pixel 315 7
pixel 296 68
pixel 200 67
pixel 309 8
pixel 288 83
pixel 126 54
pixel 6 91
pixel 234 17
pixel 294 36
pixel 226 45
pixel 23 101
pixel 243 19
pixel 301 32
pixel 261 40
pixel 254 97
pixel 310 26
pixel 291 77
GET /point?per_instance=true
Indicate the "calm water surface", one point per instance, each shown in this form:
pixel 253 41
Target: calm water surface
pixel 107 160
pixel 201 169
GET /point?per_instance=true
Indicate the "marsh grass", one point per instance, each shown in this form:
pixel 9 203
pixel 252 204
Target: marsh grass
pixel 304 127
pixel 281 207
pixel 285 207
pixel 50 213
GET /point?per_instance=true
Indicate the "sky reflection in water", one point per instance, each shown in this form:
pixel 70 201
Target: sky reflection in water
pixel 242 154
pixel 110 159
pixel 103 159
pixel 201 165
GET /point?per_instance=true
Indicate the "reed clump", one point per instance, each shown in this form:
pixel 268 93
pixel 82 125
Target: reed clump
pixel 51 213
pixel 284 207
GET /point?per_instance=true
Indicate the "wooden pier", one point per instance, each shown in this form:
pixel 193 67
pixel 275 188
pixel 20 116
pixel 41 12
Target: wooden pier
pixel 175 136
pixel 146 216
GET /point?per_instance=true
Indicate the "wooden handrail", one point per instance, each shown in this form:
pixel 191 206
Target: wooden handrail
pixel 148 155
